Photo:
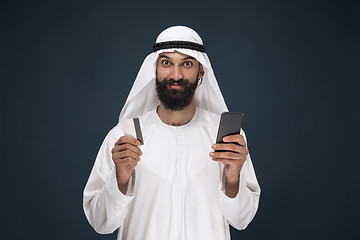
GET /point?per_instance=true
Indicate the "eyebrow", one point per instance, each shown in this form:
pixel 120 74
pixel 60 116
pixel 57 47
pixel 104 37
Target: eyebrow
pixel 186 58
pixel 164 56
pixel 189 58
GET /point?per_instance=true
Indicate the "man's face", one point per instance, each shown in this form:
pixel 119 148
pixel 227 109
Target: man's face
pixel 177 77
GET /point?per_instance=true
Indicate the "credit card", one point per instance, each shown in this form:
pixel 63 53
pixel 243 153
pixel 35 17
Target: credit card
pixel 138 130
pixel 131 127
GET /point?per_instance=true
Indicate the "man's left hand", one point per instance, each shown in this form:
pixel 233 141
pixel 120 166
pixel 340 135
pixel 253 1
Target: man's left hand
pixel 233 153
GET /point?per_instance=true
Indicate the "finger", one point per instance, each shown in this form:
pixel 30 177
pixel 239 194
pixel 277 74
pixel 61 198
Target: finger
pixel 230 147
pixel 119 157
pixel 127 146
pixel 226 147
pixel 232 162
pixel 123 162
pixel 127 153
pixel 226 155
pixel 235 138
pixel 128 139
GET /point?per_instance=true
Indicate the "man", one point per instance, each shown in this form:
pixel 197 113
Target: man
pixel 175 186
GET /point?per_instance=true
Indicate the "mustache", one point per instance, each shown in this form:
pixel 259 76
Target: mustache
pixel 179 82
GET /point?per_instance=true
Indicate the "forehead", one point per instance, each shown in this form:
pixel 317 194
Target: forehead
pixel 175 56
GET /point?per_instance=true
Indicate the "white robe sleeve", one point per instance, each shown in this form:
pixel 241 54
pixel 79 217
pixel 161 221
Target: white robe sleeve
pixel 240 210
pixel 104 205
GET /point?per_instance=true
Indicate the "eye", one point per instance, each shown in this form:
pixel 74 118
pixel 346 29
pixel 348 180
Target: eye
pixel 165 62
pixel 188 64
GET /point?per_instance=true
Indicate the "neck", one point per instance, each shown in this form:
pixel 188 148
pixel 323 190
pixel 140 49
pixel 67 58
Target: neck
pixel 176 118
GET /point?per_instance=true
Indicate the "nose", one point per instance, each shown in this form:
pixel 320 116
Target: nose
pixel 176 73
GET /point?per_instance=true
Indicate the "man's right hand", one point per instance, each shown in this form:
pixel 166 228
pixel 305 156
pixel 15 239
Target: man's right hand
pixel 126 155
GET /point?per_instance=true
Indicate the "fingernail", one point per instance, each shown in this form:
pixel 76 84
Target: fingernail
pixel 214 146
pixel 212 154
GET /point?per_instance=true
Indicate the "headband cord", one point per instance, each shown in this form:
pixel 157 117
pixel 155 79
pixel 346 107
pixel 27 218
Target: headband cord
pixel 178 44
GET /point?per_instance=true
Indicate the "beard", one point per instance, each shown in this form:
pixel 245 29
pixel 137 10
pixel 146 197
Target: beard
pixel 175 99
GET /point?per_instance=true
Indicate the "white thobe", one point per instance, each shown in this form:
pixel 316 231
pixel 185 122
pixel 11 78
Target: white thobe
pixel 176 190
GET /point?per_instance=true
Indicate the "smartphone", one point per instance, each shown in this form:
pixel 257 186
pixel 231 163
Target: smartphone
pixel 230 124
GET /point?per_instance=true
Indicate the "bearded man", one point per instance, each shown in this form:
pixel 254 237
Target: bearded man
pixel 175 186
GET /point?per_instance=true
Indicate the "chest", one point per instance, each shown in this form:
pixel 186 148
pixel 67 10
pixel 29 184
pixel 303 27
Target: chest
pixel 177 152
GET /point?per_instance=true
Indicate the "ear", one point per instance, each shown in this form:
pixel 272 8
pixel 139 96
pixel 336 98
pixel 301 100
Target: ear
pixel 201 71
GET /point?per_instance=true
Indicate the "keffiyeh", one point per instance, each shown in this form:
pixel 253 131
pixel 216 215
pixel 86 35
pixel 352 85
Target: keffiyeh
pixel 143 97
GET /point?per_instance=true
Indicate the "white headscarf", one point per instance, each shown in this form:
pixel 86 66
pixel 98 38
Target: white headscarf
pixel 143 96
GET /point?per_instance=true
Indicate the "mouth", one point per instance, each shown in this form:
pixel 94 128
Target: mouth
pixel 175 86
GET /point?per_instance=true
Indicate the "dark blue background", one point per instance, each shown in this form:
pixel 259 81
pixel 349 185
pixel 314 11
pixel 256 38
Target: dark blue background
pixel 291 66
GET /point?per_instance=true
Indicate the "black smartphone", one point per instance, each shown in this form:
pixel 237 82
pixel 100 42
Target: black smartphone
pixel 230 124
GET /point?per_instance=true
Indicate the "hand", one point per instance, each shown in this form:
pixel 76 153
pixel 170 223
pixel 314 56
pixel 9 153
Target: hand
pixel 126 155
pixel 233 156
